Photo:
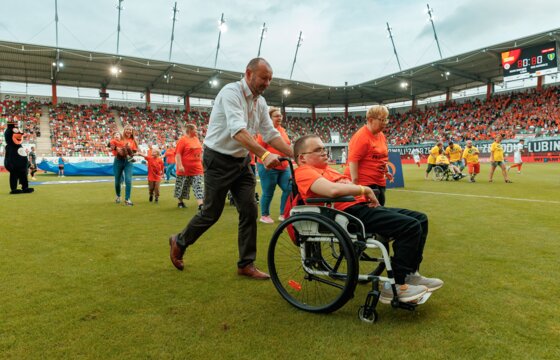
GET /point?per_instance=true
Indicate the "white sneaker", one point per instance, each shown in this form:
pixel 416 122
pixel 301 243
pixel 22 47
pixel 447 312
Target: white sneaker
pixel 431 283
pixel 281 218
pixel 406 293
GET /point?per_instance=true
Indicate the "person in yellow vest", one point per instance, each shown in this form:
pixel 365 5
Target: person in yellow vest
pixel 470 154
pixel 433 154
pixel 454 153
pixel 497 159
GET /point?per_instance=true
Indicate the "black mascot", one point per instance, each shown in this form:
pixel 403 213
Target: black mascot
pixel 15 160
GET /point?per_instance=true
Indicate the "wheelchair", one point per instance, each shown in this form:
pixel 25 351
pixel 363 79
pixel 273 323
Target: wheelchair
pixel 444 173
pixel 316 258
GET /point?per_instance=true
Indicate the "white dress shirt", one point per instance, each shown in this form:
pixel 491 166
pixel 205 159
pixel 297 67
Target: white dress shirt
pixel 235 109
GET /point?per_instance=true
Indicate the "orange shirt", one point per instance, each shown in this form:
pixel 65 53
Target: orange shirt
pixel 283 165
pixel 131 143
pixel 114 143
pixel 190 150
pixel 372 155
pixel 306 175
pixel 155 168
pixel 170 155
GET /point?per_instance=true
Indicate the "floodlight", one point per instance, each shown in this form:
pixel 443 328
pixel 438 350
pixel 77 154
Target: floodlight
pixel 404 84
pixel 286 92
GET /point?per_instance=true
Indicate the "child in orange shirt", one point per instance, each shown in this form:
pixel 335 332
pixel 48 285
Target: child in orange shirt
pixel 155 172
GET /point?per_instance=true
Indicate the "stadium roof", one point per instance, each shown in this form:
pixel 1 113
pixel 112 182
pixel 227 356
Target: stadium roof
pixel 29 63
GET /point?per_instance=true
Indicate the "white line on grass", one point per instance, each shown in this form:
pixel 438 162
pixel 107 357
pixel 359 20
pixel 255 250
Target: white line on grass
pixel 480 196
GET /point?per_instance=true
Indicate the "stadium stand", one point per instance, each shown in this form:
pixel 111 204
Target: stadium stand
pixel 28 113
pixel 79 130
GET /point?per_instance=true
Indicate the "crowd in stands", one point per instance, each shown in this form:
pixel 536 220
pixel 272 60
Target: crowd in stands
pixel 154 127
pixel 28 114
pixel 530 112
pixel 80 130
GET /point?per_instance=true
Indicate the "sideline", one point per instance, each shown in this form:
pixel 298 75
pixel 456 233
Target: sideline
pixel 479 196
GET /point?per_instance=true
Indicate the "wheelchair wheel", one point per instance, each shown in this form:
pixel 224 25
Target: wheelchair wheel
pixel 312 264
pixel 439 173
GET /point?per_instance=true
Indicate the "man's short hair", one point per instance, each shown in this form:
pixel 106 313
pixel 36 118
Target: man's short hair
pixel 299 144
pixel 254 64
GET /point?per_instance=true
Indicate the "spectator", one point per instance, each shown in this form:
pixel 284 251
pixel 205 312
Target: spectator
pixel 189 168
pixel 278 175
pixel 368 153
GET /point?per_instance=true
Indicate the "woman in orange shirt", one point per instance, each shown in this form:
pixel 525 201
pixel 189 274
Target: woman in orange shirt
pixel 123 150
pixel 368 154
pixel 279 175
pixel 188 156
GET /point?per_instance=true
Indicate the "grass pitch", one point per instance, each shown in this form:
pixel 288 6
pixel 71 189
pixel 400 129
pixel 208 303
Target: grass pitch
pixel 82 277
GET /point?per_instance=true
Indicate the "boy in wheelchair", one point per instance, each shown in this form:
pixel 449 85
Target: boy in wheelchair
pixel 448 169
pixel 408 228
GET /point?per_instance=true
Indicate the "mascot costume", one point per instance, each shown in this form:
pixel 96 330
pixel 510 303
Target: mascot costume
pixel 15 160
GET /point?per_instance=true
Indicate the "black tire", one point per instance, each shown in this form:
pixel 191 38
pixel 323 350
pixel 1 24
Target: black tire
pixel 318 293
pixel 438 173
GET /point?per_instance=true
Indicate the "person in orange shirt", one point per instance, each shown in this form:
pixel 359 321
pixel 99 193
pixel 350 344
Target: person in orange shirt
pixel 408 228
pixel 124 164
pixel 368 153
pixel 170 162
pixel 155 171
pixel 279 175
pixel 188 156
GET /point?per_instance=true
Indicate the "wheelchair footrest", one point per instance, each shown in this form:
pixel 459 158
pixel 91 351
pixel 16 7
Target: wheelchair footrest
pixel 424 298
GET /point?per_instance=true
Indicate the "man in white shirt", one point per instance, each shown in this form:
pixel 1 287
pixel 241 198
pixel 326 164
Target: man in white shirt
pixel 239 112
pixel 517 161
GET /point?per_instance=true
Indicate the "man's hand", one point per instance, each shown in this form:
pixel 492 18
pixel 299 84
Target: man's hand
pixel 271 161
pixel 389 176
pixel 370 196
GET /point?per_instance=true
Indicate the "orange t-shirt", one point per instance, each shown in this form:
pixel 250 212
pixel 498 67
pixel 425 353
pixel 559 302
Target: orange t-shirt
pixel 114 143
pixel 131 143
pixel 190 150
pixel 372 155
pixel 306 175
pixel 283 165
pixel 170 155
pixel 155 168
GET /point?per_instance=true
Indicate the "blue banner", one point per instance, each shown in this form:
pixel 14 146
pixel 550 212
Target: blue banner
pixel 89 168
pixel 395 168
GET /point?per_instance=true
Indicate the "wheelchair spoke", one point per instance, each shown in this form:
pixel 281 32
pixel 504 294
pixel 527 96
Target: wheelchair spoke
pixel 313 276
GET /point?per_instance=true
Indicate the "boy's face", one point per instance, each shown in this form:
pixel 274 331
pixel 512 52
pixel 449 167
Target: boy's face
pixel 315 153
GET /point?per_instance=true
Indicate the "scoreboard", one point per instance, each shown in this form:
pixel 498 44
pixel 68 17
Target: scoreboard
pixel 531 61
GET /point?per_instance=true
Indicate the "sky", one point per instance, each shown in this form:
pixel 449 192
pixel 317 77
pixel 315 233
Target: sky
pixel 344 41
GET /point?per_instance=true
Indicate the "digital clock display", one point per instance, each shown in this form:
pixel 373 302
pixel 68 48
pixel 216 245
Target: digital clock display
pixel 531 61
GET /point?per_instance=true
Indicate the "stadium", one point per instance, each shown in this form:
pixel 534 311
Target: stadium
pixel 85 277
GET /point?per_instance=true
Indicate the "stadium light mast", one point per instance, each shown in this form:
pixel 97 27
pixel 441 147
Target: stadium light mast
pixel 56 20
pixel 430 10
pixel 394 48
pixel 300 40
pixel 173 29
pixel 119 7
pixel 263 32
pixel 222 28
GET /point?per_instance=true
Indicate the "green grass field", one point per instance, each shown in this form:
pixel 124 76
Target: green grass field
pixel 82 277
